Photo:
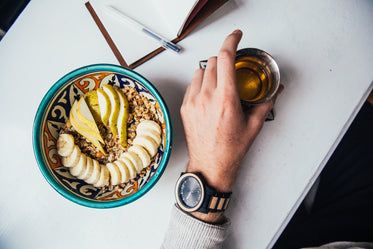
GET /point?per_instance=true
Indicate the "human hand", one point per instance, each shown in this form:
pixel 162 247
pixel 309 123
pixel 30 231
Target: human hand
pixel 218 131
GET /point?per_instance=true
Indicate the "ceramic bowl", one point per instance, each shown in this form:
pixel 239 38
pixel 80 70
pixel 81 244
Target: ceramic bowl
pixel 52 115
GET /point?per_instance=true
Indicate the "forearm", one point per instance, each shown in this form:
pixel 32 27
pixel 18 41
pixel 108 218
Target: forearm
pixel 221 178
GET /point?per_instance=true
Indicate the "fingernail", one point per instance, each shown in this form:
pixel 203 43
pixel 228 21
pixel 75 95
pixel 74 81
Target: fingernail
pixel 237 31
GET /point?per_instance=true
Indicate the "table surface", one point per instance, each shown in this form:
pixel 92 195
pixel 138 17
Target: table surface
pixel 324 50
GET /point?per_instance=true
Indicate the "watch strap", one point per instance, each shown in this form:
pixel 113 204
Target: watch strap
pixel 218 202
pixel 214 201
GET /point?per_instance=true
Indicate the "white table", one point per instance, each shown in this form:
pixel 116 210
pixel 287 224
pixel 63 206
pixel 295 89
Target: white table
pixel 324 50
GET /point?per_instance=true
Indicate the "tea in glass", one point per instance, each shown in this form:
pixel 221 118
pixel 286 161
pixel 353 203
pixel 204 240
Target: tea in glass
pixel 257 75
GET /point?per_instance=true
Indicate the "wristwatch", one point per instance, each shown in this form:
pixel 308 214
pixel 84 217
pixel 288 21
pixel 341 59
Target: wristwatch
pixel 193 194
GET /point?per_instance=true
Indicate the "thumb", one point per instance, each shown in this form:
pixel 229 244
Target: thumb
pixel 258 114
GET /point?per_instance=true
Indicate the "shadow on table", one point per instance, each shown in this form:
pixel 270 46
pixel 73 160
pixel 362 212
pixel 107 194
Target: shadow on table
pixel 173 94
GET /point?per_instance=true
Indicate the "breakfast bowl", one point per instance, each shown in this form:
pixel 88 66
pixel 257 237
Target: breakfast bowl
pixel 103 175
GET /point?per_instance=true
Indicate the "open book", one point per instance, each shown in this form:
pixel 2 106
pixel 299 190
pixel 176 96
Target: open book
pixel 172 19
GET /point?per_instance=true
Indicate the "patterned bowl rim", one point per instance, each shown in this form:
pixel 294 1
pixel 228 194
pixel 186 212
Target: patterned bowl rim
pixel 37 135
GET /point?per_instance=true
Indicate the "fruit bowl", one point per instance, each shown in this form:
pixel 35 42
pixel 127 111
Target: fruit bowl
pixel 52 115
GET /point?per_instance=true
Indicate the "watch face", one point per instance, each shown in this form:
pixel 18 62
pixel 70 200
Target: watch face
pixel 190 192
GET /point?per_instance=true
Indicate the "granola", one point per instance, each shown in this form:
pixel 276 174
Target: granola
pixel 140 108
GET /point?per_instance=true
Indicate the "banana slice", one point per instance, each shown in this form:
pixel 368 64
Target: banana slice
pixel 124 171
pixel 151 133
pixel 73 158
pixel 148 143
pixel 96 172
pixel 65 144
pixel 104 177
pixel 80 167
pixel 131 168
pixel 88 171
pixel 142 154
pixel 150 125
pixel 135 159
pixel 115 175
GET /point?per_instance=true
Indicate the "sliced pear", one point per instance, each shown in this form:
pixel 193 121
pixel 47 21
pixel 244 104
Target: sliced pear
pixel 122 118
pixel 124 171
pixel 131 168
pixel 105 106
pixel 81 126
pixel 73 158
pixel 92 102
pixel 115 107
pixel 95 173
pixel 78 127
pixel 84 114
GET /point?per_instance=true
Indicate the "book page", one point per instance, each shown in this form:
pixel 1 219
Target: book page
pixel 132 43
pixel 175 12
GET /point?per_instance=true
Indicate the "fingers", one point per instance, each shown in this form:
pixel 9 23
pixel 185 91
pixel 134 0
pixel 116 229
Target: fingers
pixel 186 95
pixel 226 63
pixel 210 75
pixel 196 84
pixel 219 69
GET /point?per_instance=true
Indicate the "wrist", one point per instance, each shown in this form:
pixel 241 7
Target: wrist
pixel 194 196
pixel 220 178
pixel 212 218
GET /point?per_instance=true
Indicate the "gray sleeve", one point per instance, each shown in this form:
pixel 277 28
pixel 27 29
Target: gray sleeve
pixel 344 245
pixel 185 231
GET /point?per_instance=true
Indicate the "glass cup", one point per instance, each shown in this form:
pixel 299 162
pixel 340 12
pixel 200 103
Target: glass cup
pixel 257 75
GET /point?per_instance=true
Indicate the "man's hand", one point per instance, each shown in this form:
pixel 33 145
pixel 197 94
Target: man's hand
pixel 218 131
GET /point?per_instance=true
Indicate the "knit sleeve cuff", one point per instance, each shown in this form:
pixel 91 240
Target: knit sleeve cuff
pixel 185 231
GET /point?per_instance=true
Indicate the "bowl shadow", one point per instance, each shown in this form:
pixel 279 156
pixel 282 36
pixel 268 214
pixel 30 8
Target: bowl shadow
pixel 173 94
